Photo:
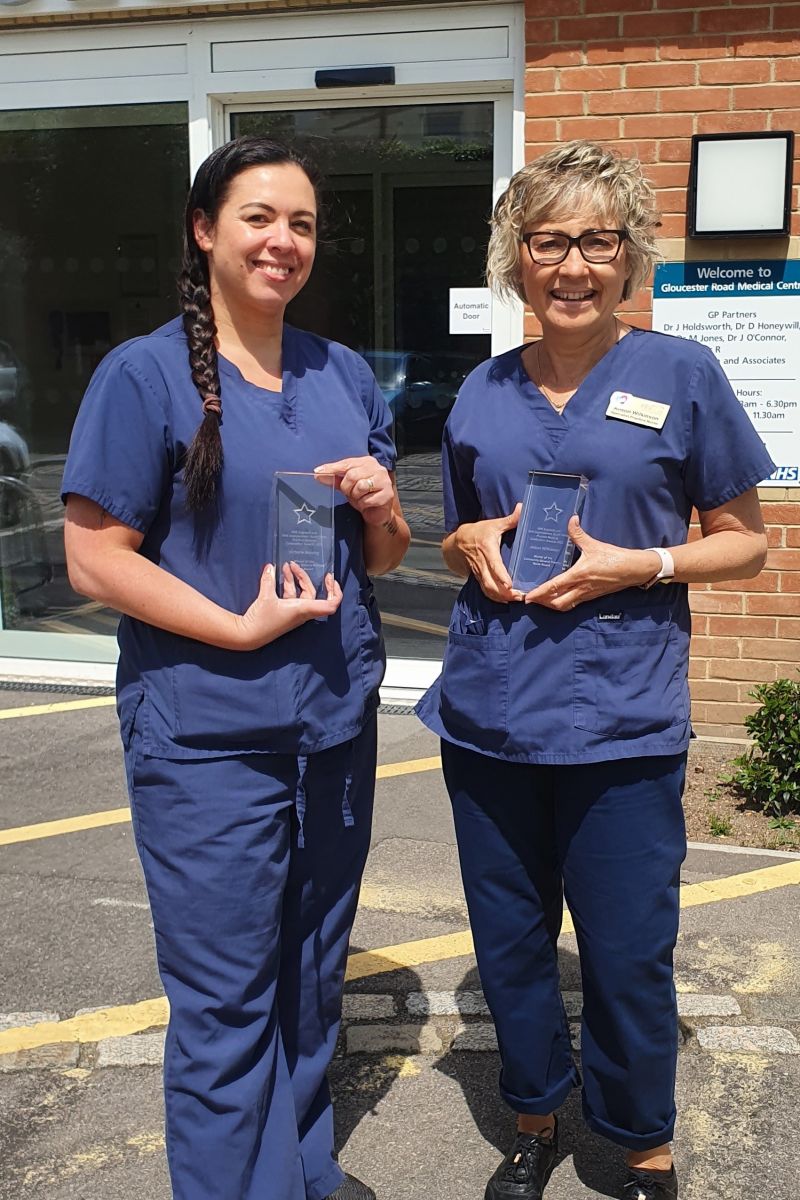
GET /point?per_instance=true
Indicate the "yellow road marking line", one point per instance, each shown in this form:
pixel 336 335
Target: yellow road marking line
pixel 408 954
pixel 149 1014
pixel 749 883
pixel 43 710
pixel 46 829
pixel 91 1027
pixel 408 768
pixel 117 816
pixel 414 954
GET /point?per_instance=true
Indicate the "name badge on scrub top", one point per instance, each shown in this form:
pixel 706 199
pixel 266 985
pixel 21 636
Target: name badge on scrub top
pixel 637 410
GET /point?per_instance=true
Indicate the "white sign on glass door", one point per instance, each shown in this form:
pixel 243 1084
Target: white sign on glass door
pixel 470 310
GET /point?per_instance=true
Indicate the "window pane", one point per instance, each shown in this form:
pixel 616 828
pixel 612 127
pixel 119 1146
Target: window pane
pixel 90 228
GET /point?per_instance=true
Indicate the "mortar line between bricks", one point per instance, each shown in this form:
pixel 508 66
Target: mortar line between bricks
pixel 152 1014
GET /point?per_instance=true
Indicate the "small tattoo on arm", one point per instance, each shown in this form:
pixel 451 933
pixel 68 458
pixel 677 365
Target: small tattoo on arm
pixel 390 526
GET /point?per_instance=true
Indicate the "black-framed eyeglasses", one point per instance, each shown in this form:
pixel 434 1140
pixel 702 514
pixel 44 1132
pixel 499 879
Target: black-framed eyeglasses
pixel 547 248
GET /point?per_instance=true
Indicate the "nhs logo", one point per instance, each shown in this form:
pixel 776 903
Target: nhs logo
pixel 786 475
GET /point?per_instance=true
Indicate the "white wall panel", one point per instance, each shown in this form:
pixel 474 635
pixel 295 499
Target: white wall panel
pixel 417 46
pixel 110 62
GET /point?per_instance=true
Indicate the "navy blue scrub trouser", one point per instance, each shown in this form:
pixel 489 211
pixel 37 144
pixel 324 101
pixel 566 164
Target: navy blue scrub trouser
pixel 611 838
pixel 252 935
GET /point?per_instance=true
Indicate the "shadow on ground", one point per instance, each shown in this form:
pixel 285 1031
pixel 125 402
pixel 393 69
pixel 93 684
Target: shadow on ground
pixel 360 1082
pixel 597 1163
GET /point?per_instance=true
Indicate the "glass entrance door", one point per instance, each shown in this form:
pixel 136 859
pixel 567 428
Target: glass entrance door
pixel 89 249
pixel 408 198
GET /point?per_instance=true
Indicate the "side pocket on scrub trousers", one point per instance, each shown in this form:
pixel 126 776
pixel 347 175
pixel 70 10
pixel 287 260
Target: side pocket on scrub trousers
pixel 474 688
pixel 629 683
pixel 128 708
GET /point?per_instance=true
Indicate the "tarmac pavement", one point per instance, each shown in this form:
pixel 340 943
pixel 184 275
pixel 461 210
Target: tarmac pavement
pixel 415 1074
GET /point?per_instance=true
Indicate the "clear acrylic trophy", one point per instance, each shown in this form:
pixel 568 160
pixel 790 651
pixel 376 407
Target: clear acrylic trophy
pixel 542 547
pixel 303 506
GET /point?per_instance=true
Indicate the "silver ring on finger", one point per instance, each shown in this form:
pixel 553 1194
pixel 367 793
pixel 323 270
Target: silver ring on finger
pixel 370 484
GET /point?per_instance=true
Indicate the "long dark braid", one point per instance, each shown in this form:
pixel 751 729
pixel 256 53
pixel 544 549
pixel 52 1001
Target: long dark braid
pixel 204 457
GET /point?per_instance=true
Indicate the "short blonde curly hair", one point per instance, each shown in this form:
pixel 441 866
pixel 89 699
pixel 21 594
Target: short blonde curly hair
pixel 566 179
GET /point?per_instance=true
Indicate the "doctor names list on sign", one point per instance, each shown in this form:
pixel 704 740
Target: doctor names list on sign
pixel 748 313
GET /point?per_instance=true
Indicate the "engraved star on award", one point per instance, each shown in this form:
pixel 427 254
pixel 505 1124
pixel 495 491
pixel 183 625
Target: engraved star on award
pixel 303 507
pixel 542 547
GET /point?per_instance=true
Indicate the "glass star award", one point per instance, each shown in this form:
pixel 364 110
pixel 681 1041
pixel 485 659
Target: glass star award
pixel 542 547
pixel 303 506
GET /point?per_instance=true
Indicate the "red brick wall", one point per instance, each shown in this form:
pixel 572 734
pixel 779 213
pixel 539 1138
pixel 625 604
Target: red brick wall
pixel 644 75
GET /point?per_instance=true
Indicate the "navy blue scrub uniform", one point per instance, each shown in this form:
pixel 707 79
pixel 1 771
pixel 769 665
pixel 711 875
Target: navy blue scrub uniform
pixel 251 775
pixel 565 734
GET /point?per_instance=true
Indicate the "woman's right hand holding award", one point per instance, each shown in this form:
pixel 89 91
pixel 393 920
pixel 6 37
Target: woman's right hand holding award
pixel 479 544
pixel 269 617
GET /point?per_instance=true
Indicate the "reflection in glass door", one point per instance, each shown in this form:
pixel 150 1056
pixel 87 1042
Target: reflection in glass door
pixel 408 199
pixel 89 256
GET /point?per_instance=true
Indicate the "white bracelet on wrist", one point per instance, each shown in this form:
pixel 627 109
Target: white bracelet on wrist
pixel 666 573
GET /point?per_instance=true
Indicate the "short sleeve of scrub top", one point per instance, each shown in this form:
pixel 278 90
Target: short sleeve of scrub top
pixel 460 502
pixel 122 453
pixel 381 446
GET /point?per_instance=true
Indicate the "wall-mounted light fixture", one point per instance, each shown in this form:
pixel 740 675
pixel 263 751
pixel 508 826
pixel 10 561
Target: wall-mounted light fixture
pixel 740 184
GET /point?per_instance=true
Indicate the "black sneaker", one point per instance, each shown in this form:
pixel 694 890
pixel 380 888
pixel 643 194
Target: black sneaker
pixel 352 1189
pixel 526 1168
pixel 651 1185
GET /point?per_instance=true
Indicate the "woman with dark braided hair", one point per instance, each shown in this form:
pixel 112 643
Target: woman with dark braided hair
pixel 248 720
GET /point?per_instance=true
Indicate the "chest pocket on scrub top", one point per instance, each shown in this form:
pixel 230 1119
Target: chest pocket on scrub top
pixel 474 687
pixel 629 677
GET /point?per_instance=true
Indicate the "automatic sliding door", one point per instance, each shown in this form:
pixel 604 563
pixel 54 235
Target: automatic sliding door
pixel 408 199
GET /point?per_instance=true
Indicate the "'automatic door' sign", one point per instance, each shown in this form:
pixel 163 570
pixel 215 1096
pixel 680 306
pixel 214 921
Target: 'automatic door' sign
pixel 748 313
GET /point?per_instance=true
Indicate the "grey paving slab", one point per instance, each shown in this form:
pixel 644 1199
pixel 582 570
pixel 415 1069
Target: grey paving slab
pixel 367 1007
pixel 692 1004
pixel 448 1003
pixel 139 1050
pixel 748 1039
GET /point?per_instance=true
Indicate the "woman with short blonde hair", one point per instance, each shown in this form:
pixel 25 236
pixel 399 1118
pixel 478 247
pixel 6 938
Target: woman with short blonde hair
pixel 577 173
pixel 563 703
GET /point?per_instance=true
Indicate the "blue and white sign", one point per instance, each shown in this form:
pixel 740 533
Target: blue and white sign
pixel 748 313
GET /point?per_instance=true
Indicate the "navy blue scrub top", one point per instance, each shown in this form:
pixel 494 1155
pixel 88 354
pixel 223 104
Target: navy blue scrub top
pixel 609 679
pixel 315 686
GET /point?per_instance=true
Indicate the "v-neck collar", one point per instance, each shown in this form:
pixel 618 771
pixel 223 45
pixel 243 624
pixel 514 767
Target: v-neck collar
pixel 593 386
pixel 288 376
